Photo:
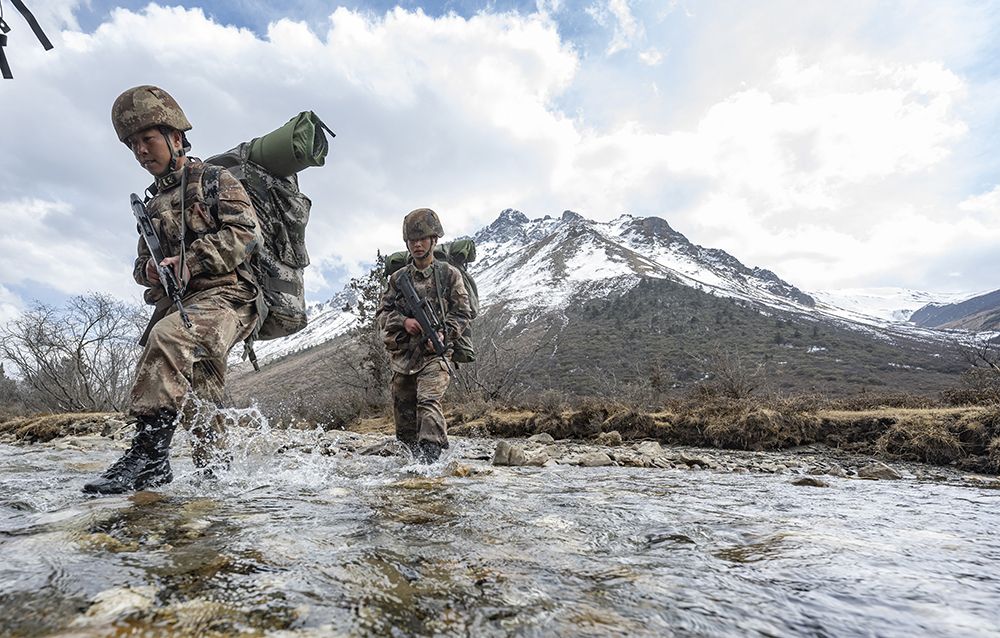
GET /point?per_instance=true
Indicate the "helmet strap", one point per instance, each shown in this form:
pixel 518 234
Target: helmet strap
pixel 172 166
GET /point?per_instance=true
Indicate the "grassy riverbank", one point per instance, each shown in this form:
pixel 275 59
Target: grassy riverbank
pixel 965 437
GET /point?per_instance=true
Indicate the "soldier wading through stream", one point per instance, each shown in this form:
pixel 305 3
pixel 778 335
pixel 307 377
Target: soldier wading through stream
pixel 207 239
pixel 420 374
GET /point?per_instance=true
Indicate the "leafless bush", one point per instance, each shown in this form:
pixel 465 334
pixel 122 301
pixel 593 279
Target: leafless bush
pixel 636 386
pixel 731 374
pixel 980 384
pixel 76 358
pixel 502 365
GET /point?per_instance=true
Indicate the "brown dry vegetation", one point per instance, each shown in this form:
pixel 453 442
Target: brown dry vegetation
pixel 968 437
pixel 45 427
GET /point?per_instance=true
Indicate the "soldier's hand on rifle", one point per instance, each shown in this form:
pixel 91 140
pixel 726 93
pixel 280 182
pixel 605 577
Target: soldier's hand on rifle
pixel 412 326
pixel 174 262
pixel 152 274
pixel 429 345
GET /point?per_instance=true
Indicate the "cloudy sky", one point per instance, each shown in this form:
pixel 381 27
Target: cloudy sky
pixel 846 144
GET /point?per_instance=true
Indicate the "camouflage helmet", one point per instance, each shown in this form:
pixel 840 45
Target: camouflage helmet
pixel 422 222
pixel 143 107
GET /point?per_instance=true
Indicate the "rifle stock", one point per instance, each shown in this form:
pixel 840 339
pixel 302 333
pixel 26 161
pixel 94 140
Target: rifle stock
pixel 167 276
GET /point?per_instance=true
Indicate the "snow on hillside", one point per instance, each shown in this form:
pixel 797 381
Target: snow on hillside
pixel 887 304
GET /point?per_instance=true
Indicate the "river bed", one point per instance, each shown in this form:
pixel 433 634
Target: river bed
pixel 306 536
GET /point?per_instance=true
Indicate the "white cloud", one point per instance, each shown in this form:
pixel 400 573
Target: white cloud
pixel 651 57
pixel 33 250
pixel 988 203
pixel 627 28
pixel 10 305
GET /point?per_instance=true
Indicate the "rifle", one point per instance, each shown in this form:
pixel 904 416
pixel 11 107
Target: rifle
pixel 167 276
pixel 423 312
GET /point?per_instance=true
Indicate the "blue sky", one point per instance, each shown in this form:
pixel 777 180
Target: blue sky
pixel 840 145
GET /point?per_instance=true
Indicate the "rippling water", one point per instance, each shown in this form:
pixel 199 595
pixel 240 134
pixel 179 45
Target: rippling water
pixel 294 542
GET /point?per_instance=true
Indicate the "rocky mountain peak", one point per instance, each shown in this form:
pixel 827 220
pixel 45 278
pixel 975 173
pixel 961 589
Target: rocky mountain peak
pixel 510 216
pixel 569 216
pixel 655 227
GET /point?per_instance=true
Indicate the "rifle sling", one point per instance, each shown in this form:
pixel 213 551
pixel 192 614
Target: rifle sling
pixel 4 66
pixel 33 23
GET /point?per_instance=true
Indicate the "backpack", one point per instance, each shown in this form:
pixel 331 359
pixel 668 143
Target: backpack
pixel 459 253
pixel 267 167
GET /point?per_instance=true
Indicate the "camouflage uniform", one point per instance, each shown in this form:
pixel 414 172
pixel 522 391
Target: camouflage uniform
pixel 220 298
pixel 420 377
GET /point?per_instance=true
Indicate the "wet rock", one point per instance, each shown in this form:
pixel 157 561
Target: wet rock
pixel 554 452
pixel 544 437
pixel 389 447
pixel 836 470
pixel 613 437
pixel 691 460
pixel 509 454
pixel 810 481
pixel 460 470
pixel 100 540
pixel 649 448
pixel 595 459
pixel 538 459
pixel 878 471
pixel 195 528
pixel 112 604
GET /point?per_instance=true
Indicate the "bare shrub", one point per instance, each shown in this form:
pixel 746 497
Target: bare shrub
pixel 921 439
pixel 993 458
pixel 980 384
pixel 76 358
pixel 750 426
pixel 882 400
pixel 550 403
pixel 977 386
pixel 632 425
pixel 731 374
pixel 501 372
pixel 637 386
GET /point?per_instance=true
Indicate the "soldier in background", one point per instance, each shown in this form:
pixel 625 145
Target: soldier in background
pixel 208 239
pixel 420 377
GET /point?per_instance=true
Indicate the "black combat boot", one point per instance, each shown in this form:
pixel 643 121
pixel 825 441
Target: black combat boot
pixel 428 451
pixel 145 464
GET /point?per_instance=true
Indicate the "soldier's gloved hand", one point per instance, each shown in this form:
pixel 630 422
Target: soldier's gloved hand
pixel 412 326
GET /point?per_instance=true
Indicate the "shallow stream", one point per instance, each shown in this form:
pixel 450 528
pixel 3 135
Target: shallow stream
pixel 294 542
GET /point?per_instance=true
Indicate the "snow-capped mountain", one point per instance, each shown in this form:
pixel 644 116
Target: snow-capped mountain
pixel 533 267
pixel 539 265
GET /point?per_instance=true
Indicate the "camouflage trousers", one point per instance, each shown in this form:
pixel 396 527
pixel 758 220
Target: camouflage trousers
pixel 416 404
pixel 182 369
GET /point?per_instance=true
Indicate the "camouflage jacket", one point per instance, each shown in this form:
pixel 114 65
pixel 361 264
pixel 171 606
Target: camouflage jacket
pixel 218 243
pixel 450 301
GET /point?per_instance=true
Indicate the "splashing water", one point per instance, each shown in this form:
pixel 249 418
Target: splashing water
pixel 304 534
